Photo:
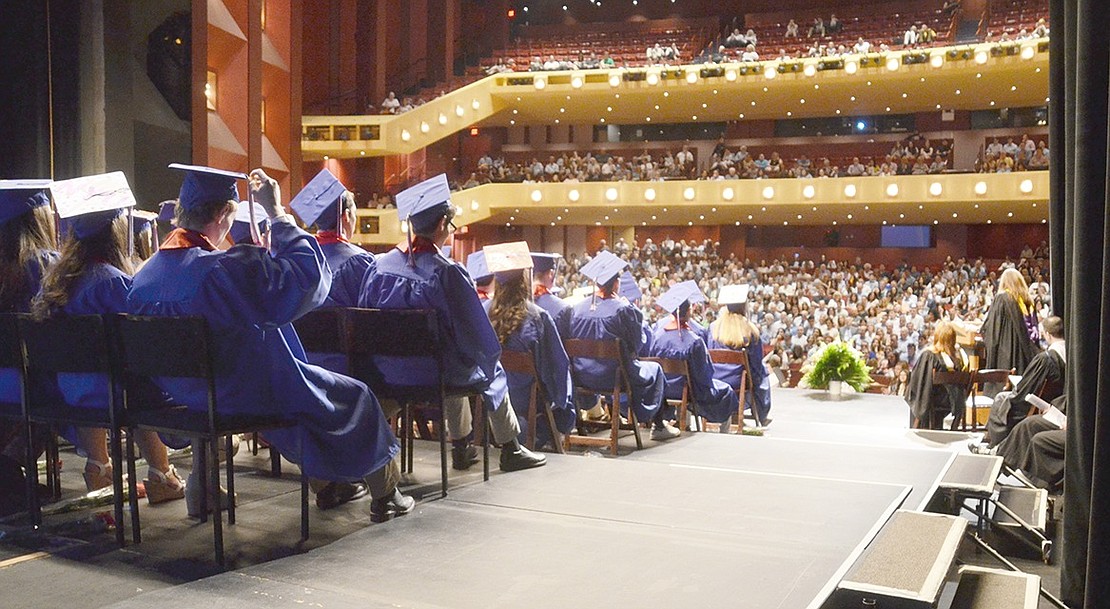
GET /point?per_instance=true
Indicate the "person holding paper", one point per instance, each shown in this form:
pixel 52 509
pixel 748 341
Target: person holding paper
pixel 1035 447
pixel 1047 370
pixel 522 325
pixel 416 275
pixel 250 295
pixel 713 399
pixel 92 277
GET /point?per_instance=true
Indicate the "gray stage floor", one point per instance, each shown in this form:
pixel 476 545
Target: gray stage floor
pixel 703 520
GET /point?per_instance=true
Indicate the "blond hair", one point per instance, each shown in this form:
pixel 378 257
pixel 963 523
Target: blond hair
pixel 944 339
pixel 1014 284
pixel 733 330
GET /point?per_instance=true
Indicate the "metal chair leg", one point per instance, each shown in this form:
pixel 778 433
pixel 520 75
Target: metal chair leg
pixel 230 481
pixel 132 496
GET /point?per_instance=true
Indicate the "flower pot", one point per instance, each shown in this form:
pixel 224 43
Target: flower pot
pixel 836 389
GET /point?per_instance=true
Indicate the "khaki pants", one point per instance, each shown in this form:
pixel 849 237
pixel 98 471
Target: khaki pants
pixel 460 419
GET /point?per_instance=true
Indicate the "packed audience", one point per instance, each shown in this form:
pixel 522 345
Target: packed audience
pixel 913 156
pixel 801 305
pixel 1025 155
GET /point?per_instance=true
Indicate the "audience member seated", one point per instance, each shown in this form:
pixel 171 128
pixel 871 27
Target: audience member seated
pixel 391 105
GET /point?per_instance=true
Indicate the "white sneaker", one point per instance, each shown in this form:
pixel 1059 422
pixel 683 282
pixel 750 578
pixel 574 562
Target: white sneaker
pixel 666 432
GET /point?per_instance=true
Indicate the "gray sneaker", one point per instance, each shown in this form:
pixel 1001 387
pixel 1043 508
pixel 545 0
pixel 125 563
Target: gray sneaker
pixel 666 432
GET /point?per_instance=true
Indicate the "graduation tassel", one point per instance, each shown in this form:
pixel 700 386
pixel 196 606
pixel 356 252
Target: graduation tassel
pixel 130 234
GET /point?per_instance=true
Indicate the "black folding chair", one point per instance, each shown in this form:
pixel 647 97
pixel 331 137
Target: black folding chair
pixel 76 345
pixel 11 357
pixel 181 347
pixel 408 333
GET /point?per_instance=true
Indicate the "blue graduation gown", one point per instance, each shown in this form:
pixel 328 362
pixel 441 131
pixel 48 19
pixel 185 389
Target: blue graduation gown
pixel 33 271
pixel 552 304
pixel 730 373
pixel 714 399
pixel 605 319
pixel 538 336
pixel 250 297
pixel 102 290
pixel 471 355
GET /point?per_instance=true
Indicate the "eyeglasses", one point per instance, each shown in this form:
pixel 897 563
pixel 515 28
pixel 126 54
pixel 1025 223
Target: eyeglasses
pixel 452 226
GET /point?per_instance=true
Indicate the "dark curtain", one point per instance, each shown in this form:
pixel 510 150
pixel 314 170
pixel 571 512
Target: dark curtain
pixel 25 79
pixel 1080 92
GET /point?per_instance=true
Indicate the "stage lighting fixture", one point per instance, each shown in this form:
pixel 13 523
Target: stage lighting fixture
pixel 473 206
pixel 768 192
pixel 653 78
pixel 730 75
pixel 577 81
pixel 892 190
pixel 475 104
pixel 539 82
pixel 770 72
pixel 981 56
pixel 614 79
pixel 1028 51
pixel 424 127
pixel 688 194
pixel 850 192
pixel 691 76
pixel 728 193
pixel 861 126
pixel 810 69
pixel 892 63
pixel 936 60
pixel 809 191
pixel 611 194
pixel 980 188
pixel 1027 187
pixel 537 196
pixel 405 135
pixel 851 67
pixel 935 189
pixel 573 195
pixel 442 118
pixel 649 195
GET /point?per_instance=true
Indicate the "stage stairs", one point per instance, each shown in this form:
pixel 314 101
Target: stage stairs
pixel 914 560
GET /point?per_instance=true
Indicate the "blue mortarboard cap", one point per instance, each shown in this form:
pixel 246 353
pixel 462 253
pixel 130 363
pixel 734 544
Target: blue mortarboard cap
pixel 505 260
pixel 680 293
pixel 166 212
pixel 543 262
pixel 205 184
pixel 18 197
pixel 141 220
pixel 476 267
pixel 427 195
pixel 90 203
pixel 603 268
pixel 628 289
pixel 241 228
pixel 316 202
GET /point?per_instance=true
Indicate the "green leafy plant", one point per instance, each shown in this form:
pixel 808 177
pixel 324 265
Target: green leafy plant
pixel 838 362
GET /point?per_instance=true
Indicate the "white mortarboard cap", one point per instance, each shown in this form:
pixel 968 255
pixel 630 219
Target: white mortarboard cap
pixel 733 294
pixel 504 258
pixel 603 268
pixel 90 203
pixel 315 203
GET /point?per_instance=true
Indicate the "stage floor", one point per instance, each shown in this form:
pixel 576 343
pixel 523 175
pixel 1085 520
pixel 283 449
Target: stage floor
pixel 703 520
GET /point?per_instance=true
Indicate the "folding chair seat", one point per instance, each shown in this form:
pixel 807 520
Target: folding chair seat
pixel 411 334
pixel 523 362
pixel 677 367
pixel 181 347
pixel 75 345
pixel 603 350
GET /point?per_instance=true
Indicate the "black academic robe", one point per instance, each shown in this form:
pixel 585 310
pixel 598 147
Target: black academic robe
pixel 1010 408
pixel 1005 338
pixel 929 403
pixel 1036 447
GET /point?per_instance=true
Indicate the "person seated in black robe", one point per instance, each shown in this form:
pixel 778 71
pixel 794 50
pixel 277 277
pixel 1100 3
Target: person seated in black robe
pixel 1034 450
pixel 929 403
pixel 1044 377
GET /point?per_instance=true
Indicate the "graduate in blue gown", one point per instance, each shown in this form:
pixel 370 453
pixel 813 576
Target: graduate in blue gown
pixel 544 269
pixel 416 275
pixel 250 296
pixel 483 279
pixel 632 293
pixel 326 203
pixel 522 326
pixel 92 277
pixel 27 245
pixel 732 330
pixel 605 316
pixel 713 399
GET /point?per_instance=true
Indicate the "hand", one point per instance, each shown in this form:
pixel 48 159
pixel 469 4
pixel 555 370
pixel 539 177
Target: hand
pixel 267 193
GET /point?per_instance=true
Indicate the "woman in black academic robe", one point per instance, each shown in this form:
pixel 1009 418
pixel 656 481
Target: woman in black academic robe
pixel 1010 333
pixel 929 403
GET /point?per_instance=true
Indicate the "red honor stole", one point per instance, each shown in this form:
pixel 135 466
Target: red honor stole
pixel 329 237
pixel 183 238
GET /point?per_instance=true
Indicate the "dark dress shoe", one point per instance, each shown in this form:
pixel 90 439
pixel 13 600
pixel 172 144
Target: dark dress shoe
pixel 462 457
pixel 391 506
pixel 338 493
pixel 515 457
